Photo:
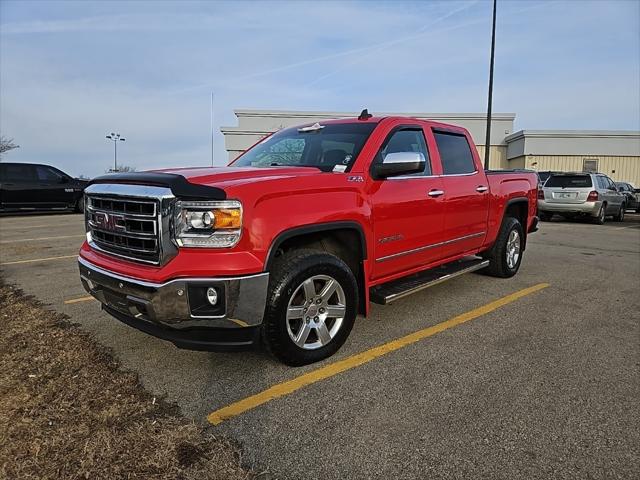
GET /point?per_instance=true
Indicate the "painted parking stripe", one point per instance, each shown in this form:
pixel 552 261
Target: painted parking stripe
pixel 322 373
pixel 78 300
pixel 33 260
pixel 22 240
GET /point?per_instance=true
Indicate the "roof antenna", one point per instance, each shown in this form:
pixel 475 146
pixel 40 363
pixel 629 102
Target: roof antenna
pixel 365 115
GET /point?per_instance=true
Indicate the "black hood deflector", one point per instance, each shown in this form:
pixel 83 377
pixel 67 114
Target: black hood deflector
pixel 178 184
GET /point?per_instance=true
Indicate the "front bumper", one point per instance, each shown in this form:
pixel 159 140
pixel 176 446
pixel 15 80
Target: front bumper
pixel 586 208
pixel 171 310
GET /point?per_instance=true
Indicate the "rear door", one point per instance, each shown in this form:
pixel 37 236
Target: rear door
pixel 613 197
pixel 17 181
pixel 407 211
pixel 466 193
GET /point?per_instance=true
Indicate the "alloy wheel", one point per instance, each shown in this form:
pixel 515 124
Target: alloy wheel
pixel 513 249
pixel 315 312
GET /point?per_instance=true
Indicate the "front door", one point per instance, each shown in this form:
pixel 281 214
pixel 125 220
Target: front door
pixel 53 189
pixel 407 210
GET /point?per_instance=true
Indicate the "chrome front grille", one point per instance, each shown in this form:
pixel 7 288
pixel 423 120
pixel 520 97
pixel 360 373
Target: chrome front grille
pixel 130 221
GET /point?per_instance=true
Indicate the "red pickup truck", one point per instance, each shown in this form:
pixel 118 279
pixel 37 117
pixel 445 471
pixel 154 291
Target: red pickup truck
pixel 298 235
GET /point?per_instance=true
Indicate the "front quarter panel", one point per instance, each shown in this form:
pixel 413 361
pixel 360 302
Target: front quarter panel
pixel 272 208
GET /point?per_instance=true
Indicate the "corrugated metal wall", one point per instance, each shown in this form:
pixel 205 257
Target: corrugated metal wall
pixel 497 157
pixel 621 169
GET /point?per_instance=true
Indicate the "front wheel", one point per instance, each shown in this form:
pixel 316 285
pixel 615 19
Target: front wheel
pixel 506 254
pixel 79 208
pixel 311 307
pixel 546 217
pixel 619 217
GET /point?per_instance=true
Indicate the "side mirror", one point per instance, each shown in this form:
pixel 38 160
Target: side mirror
pixel 64 179
pixel 399 163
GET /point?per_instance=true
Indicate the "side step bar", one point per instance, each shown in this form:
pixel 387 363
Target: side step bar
pixel 396 289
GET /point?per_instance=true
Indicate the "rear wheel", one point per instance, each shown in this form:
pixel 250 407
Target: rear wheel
pixel 600 219
pixel 506 254
pixel 311 307
pixel 619 217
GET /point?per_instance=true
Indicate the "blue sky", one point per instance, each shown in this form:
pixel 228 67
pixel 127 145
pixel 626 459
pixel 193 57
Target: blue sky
pixel 70 72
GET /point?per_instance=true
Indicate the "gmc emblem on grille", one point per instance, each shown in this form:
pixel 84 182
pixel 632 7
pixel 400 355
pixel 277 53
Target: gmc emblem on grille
pixel 109 221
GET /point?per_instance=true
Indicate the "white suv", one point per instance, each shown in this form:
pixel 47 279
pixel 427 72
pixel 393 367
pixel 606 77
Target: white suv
pixel 588 194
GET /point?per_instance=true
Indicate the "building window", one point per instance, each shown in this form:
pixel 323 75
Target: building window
pixel 590 165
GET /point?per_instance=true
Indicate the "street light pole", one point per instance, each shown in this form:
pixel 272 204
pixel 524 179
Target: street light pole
pixel 487 142
pixel 115 137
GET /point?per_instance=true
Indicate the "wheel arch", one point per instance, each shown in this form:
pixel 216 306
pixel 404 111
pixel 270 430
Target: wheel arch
pixel 345 239
pixel 518 207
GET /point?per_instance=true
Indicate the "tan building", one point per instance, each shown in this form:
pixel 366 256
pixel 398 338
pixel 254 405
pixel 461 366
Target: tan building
pixel 615 153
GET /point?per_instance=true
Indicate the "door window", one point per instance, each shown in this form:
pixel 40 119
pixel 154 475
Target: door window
pixel 16 173
pixel 455 153
pixel 406 140
pixel 48 174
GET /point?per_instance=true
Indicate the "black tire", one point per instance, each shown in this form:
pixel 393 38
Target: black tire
pixel 619 217
pixel 497 256
pixel 287 276
pixel 600 219
pixel 545 217
pixel 79 208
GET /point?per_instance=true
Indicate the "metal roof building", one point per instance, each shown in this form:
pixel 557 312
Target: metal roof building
pixel 616 153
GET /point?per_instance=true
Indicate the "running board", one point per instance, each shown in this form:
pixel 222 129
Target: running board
pixel 396 289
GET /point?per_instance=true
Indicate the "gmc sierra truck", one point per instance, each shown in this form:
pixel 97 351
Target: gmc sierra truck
pixel 287 244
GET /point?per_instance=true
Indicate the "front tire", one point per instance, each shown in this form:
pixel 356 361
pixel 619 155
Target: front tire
pixel 505 256
pixel 546 217
pixel 311 306
pixel 79 208
pixel 619 217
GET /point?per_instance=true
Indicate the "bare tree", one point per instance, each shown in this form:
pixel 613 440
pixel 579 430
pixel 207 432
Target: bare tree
pixel 7 144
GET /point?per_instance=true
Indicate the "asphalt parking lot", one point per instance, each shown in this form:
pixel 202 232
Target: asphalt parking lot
pixel 545 385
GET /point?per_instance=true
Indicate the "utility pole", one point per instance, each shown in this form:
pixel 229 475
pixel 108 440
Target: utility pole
pixel 115 137
pixel 487 142
pixel 212 129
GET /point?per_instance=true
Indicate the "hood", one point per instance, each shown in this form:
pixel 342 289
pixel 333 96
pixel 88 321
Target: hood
pixel 222 177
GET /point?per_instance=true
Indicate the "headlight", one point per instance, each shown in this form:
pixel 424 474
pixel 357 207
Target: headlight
pixel 208 224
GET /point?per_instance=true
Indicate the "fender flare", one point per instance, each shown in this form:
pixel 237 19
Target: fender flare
pixel 514 201
pixel 315 228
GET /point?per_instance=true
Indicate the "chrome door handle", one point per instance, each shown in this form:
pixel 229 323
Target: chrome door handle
pixel 482 189
pixel 436 193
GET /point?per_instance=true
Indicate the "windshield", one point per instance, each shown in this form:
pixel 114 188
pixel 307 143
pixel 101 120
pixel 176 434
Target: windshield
pixel 564 181
pixel 327 147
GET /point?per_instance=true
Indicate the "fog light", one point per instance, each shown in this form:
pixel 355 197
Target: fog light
pixel 212 295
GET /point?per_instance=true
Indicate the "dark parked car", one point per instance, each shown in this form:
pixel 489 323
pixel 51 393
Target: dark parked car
pixel 632 194
pixel 31 186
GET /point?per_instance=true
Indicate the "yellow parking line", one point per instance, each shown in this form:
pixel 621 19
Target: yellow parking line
pixel 15 262
pixel 77 300
pixel 21 240
pixel 290 386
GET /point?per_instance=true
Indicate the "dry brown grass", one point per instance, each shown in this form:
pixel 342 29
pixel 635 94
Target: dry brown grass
pixel 67 411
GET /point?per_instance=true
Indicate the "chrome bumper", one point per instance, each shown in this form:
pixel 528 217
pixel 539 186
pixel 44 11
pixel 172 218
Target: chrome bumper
pixel 242 299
